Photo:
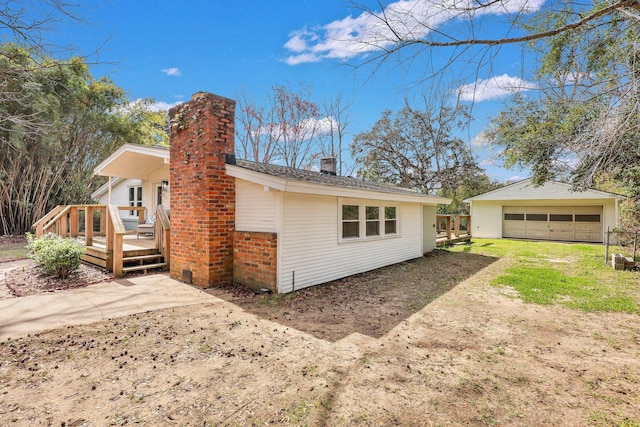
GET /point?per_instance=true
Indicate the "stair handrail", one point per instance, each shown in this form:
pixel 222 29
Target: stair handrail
pixel 39 224
pixel 163 233
pixel 56 218
pixel 115 238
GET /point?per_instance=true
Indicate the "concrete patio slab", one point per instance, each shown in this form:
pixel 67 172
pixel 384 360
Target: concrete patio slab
pixel 37 313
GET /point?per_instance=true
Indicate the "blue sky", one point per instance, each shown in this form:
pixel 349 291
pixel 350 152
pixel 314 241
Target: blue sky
pixel 170 50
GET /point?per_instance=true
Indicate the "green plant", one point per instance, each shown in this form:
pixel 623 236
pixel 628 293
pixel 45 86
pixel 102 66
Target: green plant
pixel 55 254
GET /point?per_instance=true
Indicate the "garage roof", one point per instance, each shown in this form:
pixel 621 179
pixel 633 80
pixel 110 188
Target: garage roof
pixel 551 190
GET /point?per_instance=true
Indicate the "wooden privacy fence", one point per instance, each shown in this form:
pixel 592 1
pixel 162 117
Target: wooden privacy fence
pixel 452 229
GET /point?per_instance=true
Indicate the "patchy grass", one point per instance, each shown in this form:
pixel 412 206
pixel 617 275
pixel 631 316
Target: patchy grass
pixel 573 275
pixel 12 247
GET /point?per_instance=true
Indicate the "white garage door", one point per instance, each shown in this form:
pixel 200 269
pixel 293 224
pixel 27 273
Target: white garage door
pixel 570 223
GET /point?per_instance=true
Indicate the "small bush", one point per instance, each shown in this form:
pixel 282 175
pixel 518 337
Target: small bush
pixel 58 256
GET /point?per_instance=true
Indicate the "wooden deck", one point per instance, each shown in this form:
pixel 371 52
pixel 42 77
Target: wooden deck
pixel 452 229
pixel 108 244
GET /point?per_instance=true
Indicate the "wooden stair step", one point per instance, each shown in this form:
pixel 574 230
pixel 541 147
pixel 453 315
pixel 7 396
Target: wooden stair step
pixel 142 257
pixel 143 267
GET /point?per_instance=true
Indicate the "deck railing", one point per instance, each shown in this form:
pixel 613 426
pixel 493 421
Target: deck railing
pixel 87 221
pixel 163 233
pixel 453 228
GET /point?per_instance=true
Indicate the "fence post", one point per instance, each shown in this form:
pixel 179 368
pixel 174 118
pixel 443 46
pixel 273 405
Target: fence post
pixel 606 251
pixel 635 245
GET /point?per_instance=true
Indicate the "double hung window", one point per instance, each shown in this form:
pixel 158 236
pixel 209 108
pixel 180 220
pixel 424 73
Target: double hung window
pixel 367 221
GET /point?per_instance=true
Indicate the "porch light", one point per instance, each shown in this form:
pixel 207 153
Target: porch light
pixel 165 185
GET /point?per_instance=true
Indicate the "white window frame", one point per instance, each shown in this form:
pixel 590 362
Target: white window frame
pixel 135 202
pixel 362 220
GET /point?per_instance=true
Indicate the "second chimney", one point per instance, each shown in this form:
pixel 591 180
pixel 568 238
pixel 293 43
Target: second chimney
pixel 328 165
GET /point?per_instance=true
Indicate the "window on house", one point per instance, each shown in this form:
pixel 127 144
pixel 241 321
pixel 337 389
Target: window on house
pixel 135 198
pixel 350 221
pixel 366 221
pixel 390 220
pixel 372 221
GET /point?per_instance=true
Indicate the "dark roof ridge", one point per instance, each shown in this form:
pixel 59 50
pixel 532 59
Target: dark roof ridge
pixel 286 172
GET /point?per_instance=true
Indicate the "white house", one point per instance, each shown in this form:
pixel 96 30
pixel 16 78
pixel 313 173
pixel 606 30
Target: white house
pixel 292 228
pixel 329 226
pixel 138 176
pixel 548 212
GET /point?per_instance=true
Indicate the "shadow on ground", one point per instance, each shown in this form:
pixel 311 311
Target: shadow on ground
pixel 371 303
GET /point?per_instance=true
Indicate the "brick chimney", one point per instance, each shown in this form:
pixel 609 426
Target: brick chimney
pixel 202 195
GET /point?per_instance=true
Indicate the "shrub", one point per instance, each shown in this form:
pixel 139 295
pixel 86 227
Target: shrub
pixel 58 256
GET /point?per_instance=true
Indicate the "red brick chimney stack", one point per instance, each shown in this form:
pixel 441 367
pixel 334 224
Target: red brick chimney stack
pixel 202 195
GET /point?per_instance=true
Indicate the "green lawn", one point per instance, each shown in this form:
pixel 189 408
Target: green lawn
pixel 571 274
pixel 12 250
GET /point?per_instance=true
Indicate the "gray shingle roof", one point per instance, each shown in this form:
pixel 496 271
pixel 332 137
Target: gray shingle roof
pixel 323 178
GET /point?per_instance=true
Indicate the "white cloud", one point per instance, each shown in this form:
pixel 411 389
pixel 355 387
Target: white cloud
pixel 173 71
pixel 492 88
pixel 144 105
pixel 480 140
pixel 410 19
pixel 303 130
pixel 162 106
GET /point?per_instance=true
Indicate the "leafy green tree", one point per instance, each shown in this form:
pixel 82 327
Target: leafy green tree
pixel 416 149
pixel 471 185
pixel 584 123
pixel 79 121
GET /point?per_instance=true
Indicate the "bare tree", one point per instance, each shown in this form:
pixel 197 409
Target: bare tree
pixel 336 121
pixel 416 27
pixel 29 20
pixel 287 127
pixel 257 134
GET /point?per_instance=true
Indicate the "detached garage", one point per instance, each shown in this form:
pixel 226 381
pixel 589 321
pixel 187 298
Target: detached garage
pixel 548 212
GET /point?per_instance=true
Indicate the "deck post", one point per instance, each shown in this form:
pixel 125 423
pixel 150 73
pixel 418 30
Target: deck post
pixel 73 222
pixel 88 225
pixel 448 227
pixel 103 220
pixel 117 255
pixel 109 230
pixel 456 226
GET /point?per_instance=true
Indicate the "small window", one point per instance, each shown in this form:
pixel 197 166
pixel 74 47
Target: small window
pixel 588 218
pixel 372 221
pixel 390 220
pixel 350 221
pixel 561 217
pixel 537 217
pixel 135 199
pixel 514 217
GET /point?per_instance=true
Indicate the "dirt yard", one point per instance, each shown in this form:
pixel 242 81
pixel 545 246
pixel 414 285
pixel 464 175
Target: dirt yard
pixel 427 342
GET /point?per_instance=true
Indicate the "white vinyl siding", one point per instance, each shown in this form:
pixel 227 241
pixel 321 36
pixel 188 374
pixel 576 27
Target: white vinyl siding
pixel 310 247
pixel 486 219
pixel 256 208
pixel 149 189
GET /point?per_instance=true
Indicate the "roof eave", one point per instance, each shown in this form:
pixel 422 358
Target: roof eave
pixel 304 187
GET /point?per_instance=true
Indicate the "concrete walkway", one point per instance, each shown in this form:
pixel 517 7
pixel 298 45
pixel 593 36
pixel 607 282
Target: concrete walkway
pixel 37 313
